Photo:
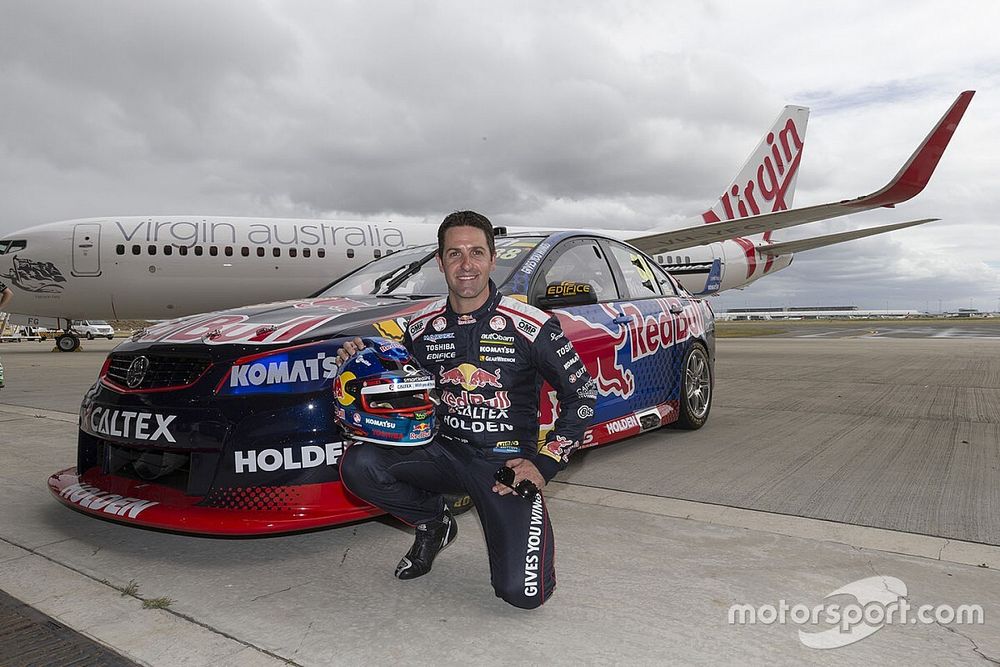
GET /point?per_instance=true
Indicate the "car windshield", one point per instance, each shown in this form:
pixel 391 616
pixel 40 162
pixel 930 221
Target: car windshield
pixel 414 272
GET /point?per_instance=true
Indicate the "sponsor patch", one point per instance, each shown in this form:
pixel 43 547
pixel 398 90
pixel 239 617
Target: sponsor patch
pixel 498 322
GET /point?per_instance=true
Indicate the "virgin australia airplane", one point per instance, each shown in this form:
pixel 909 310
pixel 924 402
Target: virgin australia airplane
pixel 171 266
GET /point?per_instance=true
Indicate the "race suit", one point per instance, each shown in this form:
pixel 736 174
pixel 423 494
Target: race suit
pixel 489 365
pixel 3 288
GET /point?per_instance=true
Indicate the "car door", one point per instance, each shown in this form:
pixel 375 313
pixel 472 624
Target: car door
pixel 592 328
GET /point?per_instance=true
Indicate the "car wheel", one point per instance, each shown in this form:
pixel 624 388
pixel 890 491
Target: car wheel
pixel 696 388
pixel 90 336
pixel 67 343
pixel 111 337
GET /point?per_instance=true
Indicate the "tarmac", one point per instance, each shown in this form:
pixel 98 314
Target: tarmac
pixel 827 461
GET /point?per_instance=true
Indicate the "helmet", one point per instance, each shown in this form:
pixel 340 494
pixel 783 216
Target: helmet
pixel 382 396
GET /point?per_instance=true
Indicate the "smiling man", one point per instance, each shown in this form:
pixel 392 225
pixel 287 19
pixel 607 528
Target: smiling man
pixel 489 354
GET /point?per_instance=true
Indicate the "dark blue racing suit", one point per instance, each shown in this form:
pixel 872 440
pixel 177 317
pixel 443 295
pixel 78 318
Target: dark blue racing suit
pixel 489 366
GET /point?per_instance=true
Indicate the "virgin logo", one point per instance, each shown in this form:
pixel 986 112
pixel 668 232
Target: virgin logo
pixel 769 184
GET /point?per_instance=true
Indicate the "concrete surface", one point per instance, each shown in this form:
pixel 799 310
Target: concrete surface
pixel 638 582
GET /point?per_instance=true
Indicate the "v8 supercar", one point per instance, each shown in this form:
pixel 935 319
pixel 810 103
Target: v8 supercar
pixel 223 423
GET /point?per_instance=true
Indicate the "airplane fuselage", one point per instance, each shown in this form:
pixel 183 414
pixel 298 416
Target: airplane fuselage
pixel 172 266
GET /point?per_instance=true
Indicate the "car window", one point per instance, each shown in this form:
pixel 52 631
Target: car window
pixel 666 284
pixel 639 279
pixel 577 260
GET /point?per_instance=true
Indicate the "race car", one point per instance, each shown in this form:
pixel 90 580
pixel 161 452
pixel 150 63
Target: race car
pixel 224 423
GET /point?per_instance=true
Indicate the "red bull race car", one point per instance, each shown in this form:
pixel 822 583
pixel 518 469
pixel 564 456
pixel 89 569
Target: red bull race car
pixel 224 423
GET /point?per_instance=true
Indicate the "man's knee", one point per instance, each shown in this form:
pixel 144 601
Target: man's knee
pixel 521 594
pixel 361 467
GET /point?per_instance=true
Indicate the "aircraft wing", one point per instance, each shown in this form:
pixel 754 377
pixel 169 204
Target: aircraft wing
pixel 821 241
pixel 907 183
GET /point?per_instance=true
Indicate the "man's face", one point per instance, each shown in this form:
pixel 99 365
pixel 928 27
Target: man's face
pixel 467 264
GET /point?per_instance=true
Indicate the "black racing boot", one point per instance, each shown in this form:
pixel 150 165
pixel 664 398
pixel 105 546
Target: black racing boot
pixel 431 538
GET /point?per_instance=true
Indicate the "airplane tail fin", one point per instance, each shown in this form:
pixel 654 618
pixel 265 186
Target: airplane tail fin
pixel 766 183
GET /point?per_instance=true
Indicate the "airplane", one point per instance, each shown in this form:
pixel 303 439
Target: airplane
pixel 171 266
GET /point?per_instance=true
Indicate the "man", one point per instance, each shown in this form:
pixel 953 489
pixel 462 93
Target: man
pixel 5 296
pixel 489 354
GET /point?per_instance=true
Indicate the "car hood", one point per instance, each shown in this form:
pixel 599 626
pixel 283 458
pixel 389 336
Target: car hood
pixel 233 332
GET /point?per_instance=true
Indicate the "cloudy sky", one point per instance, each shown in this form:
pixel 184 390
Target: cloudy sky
pixel 621 114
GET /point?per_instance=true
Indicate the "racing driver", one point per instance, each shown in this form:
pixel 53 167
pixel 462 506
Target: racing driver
pixel 489 354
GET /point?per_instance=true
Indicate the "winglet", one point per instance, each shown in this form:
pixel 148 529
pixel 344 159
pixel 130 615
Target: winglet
pixel 915 174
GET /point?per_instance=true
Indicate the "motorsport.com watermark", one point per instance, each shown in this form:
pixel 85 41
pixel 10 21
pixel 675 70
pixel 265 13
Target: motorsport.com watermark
pixel 879 601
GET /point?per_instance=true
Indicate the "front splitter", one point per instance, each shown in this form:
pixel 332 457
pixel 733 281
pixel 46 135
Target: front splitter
pixel 247 511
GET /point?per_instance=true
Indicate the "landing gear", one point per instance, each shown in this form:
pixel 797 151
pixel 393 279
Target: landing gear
pixel 67 342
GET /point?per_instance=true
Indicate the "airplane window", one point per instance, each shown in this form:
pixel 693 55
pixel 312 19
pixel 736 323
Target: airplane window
pixel 260 252
pixel 3 246
pixel 168 250
pixel 276 252
pixel 183 250
pixel 350 253
pixel 245 251
pixel 306 252
pixel 687 258
pixel 213 250
pixel 378 253
pixel 119 249
pixel 229 251
pixel 321 252
pixel 199 251
pixel 152 250
pixel 389 251
pixel 136 249
pixel 293 252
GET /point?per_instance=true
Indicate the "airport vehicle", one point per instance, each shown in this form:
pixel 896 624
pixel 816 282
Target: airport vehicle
pixel 169 266
pixel 223 423
pixel 90 329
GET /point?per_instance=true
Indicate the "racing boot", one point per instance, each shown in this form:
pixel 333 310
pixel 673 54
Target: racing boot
pixel 431 538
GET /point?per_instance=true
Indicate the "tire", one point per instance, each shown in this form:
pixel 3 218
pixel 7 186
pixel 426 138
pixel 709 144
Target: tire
pixel 111 337
pixel 697 388
pixel 90 336
pixel 67 343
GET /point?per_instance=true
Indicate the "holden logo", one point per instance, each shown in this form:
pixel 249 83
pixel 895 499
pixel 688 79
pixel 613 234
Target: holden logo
pixel 498 322
pixel 136 372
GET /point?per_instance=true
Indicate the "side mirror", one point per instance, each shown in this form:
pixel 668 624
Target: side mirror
pixel 567 293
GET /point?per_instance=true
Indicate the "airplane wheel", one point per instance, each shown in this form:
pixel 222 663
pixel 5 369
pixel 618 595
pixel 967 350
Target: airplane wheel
pixel 696 389
pixel 67 343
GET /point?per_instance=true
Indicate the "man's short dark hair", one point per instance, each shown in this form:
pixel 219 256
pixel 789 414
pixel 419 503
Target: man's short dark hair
pixel 467 219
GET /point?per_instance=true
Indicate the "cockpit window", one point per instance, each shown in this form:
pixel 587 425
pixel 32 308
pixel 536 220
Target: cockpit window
pixel 7 247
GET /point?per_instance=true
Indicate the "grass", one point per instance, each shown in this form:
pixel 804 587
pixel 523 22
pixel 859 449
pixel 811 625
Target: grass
pixel 131 588
pixel 157 603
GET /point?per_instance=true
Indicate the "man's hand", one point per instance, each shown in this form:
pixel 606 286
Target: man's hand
pixel 349 349
pixel 523 469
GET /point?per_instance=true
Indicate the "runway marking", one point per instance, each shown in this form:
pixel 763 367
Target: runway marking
pixel 864 537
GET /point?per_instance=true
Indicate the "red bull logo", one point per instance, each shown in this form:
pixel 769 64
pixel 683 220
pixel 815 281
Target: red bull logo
pixel 470 377
pixel 421 429
pixel 648 330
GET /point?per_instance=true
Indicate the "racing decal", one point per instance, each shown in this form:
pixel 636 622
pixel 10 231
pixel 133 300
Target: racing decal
pixel 527 319
pixel 567 288
pixel 338 304
pixel 533 555
pixel 269 460
pixel 389 329
pixel 533 260
pixel 422 319
pixel 559 448
pixel 227 329
pixel 641 336
pixel 477 406
pixel 283 372
pixel 470 377
pixel 92 498
pixel 131 424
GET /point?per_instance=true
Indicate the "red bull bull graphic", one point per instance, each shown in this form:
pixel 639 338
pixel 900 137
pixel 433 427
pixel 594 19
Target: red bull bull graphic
pixel 470 377
pixel 634 331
